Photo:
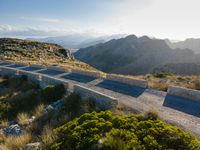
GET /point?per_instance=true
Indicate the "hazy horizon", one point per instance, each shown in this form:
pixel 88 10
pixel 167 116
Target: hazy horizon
pixel 172 19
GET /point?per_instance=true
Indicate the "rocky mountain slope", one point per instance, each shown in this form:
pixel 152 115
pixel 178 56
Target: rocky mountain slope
pixel 37 53
pixel 135 56
pixel 193 44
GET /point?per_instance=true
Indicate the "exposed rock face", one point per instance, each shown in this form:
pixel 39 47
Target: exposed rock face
pixel 132 55
pixel 65 53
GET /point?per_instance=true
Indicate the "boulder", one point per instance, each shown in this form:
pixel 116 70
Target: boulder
pixel 14 130
pixel 54 106
pixel 32 146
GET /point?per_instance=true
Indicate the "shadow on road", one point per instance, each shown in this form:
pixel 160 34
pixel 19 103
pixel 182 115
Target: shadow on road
pixel 30 68
pixel 51 72
pixel 16 65
pixel 79 77
pixel 121 88
pixel 182 104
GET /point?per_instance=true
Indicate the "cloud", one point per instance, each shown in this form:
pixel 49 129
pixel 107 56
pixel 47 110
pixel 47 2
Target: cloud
pixel 43 31
pixel 39 19
pixel 16 31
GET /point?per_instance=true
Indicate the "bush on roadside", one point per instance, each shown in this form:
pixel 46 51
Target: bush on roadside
pixel 73 105
pixel 52 93
pixel 197 84
pixel 162 74
pixel 105 131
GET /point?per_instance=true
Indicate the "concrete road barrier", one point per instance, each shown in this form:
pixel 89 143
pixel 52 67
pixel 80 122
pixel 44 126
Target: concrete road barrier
pixel 128 80
pixel 53 81
pixel 30 75
pixel 184 92
pixel 5 71
pixel 102 100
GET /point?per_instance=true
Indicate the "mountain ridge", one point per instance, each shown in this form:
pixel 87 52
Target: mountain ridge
pixel 133 55
pixel 77 41
pixel 190 43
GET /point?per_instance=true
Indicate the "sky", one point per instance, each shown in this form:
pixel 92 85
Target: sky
pixel 173 19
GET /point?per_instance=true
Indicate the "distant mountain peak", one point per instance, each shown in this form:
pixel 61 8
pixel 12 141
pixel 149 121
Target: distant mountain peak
pixel 132 37
pixel 132 55
pixel 190 43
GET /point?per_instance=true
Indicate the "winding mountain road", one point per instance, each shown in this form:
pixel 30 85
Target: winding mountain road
pixel 175 110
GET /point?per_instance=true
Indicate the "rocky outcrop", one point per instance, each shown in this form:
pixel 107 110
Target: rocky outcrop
pixel 12 130
pixel 31 49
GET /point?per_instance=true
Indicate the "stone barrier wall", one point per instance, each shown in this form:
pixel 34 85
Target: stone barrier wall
pixel 128 80
pixel 184 92
pixel 30 75
pixel 103 101
pixel 7 71
pixel 51 80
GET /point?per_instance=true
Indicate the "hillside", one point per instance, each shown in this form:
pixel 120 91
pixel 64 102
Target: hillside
pixel 134 56
pixel 193 44
pixel 37 53
pixel 180 68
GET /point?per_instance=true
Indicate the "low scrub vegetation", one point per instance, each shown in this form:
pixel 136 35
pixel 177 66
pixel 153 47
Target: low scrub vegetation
pixel 105 131
pixel 161 81
pixel 17 143
pixel 19 95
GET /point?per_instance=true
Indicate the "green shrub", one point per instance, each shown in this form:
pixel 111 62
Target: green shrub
pixel 73 105
pixel 23 102
pixel 22 95
pixel 107 132
pixel 197 84
pixel 53 92
pixel 18 83
pixel 162 74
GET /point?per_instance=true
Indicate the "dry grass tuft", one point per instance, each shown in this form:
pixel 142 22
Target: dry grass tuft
pixel 197 84
pixel 2 138
pixel 23 118
pixel 4 147
pixel 119 109
pixel 17 143
pixel 151 115
pixel 47 135
pixel 39 111
pixel 4 123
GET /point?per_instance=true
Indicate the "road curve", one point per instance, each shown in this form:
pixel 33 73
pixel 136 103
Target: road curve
pixel 175 110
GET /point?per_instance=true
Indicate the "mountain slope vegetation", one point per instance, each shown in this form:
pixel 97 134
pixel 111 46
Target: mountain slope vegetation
pixel 104 131
pixel 135 56
pixel 33 52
